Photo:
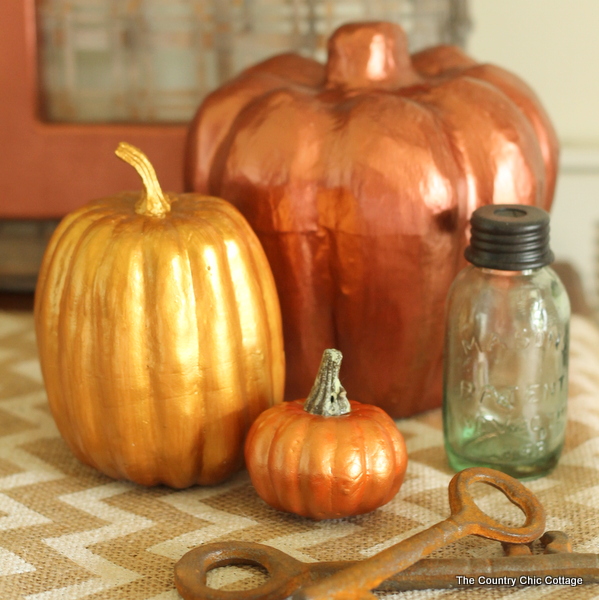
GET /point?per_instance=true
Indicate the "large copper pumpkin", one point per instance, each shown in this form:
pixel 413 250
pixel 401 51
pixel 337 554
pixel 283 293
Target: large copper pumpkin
pixel 159 334
pixel 359 178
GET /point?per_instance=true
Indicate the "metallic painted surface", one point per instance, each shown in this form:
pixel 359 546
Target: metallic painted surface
pixel 325 467
pixel 326 457
pixel 359 178
pixel 159 337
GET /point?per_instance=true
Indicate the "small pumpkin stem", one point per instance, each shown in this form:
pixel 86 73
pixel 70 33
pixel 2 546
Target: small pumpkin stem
pixel 153 200
pixel 328 397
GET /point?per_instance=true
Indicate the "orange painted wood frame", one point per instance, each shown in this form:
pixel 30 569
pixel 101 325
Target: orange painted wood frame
pixel 49 169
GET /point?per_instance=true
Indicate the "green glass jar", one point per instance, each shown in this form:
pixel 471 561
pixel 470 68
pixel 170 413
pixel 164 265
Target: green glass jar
pixel 506 348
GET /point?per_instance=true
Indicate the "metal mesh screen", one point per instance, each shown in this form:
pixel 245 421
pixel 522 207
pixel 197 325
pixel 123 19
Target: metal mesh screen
pixel 154 60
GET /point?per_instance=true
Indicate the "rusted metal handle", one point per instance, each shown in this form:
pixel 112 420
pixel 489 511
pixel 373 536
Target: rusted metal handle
pixel 464 508
pixel 286 574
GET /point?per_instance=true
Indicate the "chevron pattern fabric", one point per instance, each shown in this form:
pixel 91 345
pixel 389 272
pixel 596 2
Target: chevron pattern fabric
pixel 68 532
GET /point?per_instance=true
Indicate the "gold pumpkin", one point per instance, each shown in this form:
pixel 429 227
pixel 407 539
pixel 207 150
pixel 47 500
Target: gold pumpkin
pixel 159 333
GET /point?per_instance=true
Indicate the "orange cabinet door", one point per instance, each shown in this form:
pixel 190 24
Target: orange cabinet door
pixel 49 169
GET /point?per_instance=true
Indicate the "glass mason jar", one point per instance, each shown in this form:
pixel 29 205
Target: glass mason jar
pixel 506 348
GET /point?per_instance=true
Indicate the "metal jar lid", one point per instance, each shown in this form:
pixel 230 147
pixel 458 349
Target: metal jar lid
pixel 509 237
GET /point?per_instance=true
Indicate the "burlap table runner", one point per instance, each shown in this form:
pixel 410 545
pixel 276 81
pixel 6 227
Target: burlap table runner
pixel 69 532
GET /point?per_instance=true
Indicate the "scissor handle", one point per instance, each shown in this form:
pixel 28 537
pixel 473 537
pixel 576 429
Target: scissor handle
pixel 464 508
pixel 286 573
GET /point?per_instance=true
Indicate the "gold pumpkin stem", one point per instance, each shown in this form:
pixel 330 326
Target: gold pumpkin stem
pixel 153 200
pixel 328 397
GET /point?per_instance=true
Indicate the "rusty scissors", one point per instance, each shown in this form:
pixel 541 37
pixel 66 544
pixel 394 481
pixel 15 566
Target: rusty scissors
pixel 355 580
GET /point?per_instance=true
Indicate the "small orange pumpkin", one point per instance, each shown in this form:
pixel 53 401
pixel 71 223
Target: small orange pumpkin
pixel 326 457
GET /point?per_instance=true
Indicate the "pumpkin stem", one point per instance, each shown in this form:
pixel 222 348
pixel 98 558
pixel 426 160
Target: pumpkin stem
pixel 328 397
pixel 371 55
pixel 153 200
